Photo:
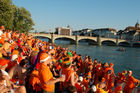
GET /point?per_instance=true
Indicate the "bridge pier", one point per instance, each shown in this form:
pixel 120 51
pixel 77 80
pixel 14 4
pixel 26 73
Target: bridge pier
pixel 131 44
pixel 76 39
pixel 52 38
pixel 117 41
pixel 99 41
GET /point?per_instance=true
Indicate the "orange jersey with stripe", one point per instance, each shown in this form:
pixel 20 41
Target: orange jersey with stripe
pixel 45 75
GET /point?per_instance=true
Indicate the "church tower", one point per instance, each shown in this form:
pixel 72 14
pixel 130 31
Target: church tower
pixel 137 25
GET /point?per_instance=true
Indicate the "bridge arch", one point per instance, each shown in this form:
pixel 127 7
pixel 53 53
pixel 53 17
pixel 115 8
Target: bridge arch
pixel 72 41
pixel 124 43
pixel 89 41
pixel 108 42
pixel 136 45
pixel 44 38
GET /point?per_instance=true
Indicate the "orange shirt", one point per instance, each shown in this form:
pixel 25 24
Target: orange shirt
pixel 67 72
pixel 45 75
pixel 120 78
pixel 130 83
pixel 86 83
pixel 14 35
pixel 58 67
pixel 79 88
pixel 1 40
pixel 118 88
pixel 34 79
pixel 29 42
pixel 7 35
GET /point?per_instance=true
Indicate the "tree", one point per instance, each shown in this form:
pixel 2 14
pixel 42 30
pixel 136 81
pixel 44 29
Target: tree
pixel 22 20
pixel 15 18
pixel 6 14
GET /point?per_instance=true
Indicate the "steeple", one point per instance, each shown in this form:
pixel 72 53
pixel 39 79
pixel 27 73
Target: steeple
pixel 137 25
pixel 68 26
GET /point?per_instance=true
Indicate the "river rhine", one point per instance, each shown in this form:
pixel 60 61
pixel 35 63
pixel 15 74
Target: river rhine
pixel 129 60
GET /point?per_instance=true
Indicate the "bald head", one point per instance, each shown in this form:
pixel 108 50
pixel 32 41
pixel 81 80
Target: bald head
pixel 129 73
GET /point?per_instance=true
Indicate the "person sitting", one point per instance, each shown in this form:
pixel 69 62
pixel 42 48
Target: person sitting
pixel 101 87
pixel 5 84
pixel 18 72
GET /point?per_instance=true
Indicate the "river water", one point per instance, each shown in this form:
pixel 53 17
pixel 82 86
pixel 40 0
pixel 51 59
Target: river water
pixel 129 60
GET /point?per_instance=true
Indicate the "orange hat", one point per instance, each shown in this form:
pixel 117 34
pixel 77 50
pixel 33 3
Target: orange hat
pixel 3 62
pixel 15 52
pixel 111 64
pixel 103 79
pixel 2 27
pixel 44 57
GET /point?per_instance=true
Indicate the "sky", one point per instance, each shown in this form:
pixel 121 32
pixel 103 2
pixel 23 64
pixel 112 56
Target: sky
pixel 82 14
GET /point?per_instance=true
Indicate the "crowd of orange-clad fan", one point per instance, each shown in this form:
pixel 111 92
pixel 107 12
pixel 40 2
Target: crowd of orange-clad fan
pixel 29 65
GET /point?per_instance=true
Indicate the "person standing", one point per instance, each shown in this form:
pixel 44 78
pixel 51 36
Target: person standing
pixel 45 75
pixel 131 83
pixel 69 73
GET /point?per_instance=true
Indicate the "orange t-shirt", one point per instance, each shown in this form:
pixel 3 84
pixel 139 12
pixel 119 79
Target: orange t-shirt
pixel 1 40
pixel 86 83
pixel 120 78
pixel 79 88
pixel 130 83
pixel 67 72
pixel 7 35
pixel 29 42
pixel 45 75
pixel 34 79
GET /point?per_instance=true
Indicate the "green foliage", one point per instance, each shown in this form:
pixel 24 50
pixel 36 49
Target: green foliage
pixel 15 18
pixel 22 20
pixel 6 13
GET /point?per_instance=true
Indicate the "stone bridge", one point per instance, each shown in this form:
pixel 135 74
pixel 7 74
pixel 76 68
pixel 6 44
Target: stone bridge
pixel 76 39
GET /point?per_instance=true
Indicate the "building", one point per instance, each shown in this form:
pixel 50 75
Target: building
pixel 104 32
pixel 82 32
pixel 131 33
pixel 63 31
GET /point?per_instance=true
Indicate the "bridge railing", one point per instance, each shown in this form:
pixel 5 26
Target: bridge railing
pixel 80 36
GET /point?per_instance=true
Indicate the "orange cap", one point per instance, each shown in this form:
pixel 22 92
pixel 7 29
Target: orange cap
pixel 44 57
pixel 103 79
pixel 15 52
pixel 3 62
pixel 2 27
pixel 111 64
